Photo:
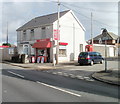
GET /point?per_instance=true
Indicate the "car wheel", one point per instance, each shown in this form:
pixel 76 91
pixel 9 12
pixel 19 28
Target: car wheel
pixel 101 62
pixel 91 63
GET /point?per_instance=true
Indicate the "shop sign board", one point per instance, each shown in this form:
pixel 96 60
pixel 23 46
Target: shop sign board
pixel 43 40
pixel 56 34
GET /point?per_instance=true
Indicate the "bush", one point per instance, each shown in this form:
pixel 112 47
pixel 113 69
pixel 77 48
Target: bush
pixel 6 44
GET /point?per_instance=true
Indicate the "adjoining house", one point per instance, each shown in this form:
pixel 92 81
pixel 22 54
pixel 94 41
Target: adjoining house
pixel 6 52
pixel 38 36
pixel 111 43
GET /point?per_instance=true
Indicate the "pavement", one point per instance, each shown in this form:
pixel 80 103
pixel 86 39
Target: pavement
pixel 111 76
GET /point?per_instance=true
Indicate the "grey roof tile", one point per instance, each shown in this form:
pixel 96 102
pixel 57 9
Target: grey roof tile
pixel 112 35
pixel 42 20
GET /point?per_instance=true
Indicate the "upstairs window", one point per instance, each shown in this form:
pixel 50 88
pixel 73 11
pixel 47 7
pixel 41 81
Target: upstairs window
pixel 32 34
pixel 24 35
pixel 43 32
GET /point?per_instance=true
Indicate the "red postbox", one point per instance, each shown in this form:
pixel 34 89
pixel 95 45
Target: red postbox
pixel 89 48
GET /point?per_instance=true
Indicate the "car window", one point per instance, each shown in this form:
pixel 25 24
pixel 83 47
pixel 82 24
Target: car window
pixel 91 54
pixel 83 54
pixel 98 54
pixel 94 54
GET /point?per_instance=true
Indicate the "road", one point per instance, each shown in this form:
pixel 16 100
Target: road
pixel 84 71
pixel 23 85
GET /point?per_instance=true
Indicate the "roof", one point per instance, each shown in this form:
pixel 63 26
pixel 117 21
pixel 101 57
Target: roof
pixel 114 36
pixel 111 34
pixel 42 20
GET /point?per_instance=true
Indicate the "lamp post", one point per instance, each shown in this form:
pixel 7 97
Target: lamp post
pixel 105 38
pixel 105 54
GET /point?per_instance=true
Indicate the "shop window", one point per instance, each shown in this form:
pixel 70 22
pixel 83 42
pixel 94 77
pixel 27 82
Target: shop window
pixel 32 51
pixel 41 52
pixel 62 52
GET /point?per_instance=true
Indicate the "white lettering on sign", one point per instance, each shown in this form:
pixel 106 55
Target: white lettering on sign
pixel 56 34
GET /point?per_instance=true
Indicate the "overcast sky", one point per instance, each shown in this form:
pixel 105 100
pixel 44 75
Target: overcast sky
pixel 105 15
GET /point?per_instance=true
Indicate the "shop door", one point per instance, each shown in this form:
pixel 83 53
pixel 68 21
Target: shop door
pixel 48 55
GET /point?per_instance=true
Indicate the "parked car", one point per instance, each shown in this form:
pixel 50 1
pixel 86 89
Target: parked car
pixel 90 58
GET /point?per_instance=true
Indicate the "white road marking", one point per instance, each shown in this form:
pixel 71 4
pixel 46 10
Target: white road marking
pixel 54 73
pixel 59 89
pixel 65 74
pixel 80 77
pixel 16 74
pixel 91 80
pixel 87 77
pixel 59 73
pixel 72 75
pixel 47 71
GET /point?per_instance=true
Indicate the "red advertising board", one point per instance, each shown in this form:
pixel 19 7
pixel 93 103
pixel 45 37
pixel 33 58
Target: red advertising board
pixel 4 46
pixel 41 40
pixel 56 34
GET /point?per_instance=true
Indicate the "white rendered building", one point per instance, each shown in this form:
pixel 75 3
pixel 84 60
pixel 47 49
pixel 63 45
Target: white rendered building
pixel 39 36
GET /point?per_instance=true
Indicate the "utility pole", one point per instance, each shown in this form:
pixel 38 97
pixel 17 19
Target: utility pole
pixel 58 34
pixel 91 28
pixel 73 41
pixel 7 34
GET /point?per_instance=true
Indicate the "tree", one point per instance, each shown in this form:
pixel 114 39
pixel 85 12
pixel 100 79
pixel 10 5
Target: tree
pixel 6 44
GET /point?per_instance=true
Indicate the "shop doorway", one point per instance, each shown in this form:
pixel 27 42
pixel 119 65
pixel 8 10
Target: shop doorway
pixel 43 53
pixel 48 55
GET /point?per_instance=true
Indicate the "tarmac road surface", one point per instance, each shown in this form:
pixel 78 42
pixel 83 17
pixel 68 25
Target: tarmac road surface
pixel 23 85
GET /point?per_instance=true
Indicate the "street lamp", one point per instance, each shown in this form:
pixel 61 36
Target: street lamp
pixel 105 54
pixel 105 38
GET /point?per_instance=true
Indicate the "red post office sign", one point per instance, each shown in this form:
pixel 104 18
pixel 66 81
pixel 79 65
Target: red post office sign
pixel 45 40
pixel 56 34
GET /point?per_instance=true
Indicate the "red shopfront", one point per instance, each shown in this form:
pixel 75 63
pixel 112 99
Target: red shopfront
pixel 42 47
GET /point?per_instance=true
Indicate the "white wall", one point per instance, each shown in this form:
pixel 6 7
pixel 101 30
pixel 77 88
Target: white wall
pixel 101 48
pixel 71 33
